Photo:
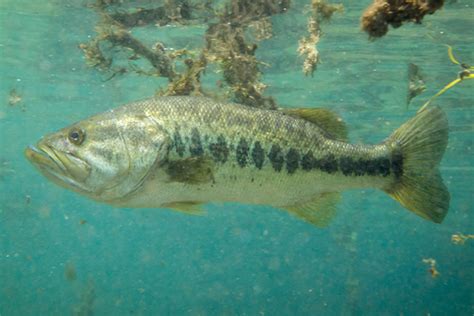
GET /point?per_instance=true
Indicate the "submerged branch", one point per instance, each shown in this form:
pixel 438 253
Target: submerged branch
pixel 157 58
pixel 228 44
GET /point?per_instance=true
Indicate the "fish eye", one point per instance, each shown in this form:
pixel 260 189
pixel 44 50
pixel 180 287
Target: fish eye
pixel 76 136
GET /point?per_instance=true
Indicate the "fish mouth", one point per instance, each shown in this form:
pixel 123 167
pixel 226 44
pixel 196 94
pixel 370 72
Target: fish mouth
pixel 63 168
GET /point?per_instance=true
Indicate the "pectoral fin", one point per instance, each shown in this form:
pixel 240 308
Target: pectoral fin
pixel 319 211
pixel 192 170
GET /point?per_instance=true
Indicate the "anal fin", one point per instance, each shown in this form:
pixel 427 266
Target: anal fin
pixel 188 207
pixel 319 211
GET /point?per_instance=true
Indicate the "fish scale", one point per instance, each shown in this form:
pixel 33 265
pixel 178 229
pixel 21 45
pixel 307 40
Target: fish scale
pixel 246 136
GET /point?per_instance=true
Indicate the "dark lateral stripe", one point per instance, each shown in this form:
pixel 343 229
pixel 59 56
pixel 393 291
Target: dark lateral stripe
pixel 349 166
pixel 258 155
pixel 276 157
pixel 242 152
pixel 327 164
pixel 219 149
pixel 308 161
pixel 178 143
pixel 195 148
pixel 379 166
pixel 360 167
pixel 292 160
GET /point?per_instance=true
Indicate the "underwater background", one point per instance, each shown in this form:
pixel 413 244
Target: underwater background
pixel 62 254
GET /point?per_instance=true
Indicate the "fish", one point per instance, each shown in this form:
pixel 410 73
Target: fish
pixel 182 152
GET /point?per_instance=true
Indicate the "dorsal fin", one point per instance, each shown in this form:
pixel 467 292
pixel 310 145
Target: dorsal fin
pixel 326 119
pixel 319 211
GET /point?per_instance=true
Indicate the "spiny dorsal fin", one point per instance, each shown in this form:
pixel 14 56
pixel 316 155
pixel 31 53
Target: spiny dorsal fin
pixel 188 207
pixel 326 119
pixel 319 211
pixel 191 170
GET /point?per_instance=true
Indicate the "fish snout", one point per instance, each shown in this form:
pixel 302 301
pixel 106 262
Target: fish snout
pixel 60 166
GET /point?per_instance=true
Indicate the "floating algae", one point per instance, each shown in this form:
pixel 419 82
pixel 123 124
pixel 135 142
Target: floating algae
pixel 320 11
pixel 87 300
pixel 460 239
pixel 234 29
pixel 70 271
pixel 382 13
pixel 416 83
pixel 227 44
pixel 14 97
pixel 432 270
pixel 467 72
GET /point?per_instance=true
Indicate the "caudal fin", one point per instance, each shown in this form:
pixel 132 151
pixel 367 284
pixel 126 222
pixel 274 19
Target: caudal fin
pixel 419 145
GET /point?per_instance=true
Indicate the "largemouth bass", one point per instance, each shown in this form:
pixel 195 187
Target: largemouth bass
pixel 182 152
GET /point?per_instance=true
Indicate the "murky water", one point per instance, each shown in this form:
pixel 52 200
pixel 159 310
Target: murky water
pixel 62 254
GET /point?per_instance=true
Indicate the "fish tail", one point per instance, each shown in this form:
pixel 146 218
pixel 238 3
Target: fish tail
pixel 417 148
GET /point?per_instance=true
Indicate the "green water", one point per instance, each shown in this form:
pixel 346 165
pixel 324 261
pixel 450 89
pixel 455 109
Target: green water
pixel 62 254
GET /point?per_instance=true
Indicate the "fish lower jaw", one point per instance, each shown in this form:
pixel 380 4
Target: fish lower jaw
pixel 52 168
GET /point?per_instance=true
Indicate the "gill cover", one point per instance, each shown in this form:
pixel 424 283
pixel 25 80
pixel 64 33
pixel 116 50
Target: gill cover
pixel 146 145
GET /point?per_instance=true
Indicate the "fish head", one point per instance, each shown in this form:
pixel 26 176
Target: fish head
pixel 105 157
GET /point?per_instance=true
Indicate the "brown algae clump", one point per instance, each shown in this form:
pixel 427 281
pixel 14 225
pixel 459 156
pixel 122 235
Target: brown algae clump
pixel 382 13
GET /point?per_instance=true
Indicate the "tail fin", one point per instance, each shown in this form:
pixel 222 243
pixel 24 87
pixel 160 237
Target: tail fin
pixel 419 145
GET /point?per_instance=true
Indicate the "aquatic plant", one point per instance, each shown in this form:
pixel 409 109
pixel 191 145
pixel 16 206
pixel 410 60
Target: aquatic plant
pixel 320 11
pixel 382 13
pixel 233 31
pixel 465 73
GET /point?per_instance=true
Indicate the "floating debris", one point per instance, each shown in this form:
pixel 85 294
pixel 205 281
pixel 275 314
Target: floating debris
pixel 320 11
pixel 87 301
pixel 460 239
pixel 14 97
pixel 94 55
pixel 467 72
pixel 27 199
pixel 307 47
pixel 262 29
pixel 5 169
pixel 70 272
pixel 157 58
pixel 432 270
pixel 189 82
pixel 231 30
pixel 416 83
pixel 382 13
pixel 113 32
pixel 228 45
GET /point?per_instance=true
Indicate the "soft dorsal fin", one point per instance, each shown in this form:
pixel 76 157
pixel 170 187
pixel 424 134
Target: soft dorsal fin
pixel 319 211
pixel 326 119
